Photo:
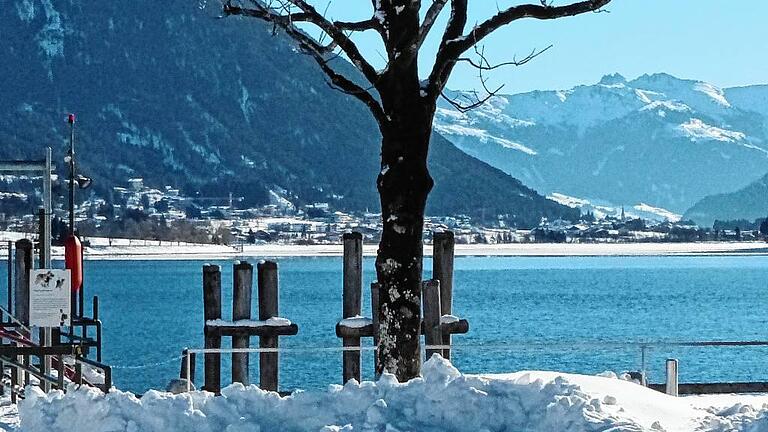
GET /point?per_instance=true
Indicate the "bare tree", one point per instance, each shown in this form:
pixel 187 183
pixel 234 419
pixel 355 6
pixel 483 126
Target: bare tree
pixel 404 105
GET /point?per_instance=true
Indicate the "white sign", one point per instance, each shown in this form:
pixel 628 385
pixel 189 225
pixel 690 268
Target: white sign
pixel 50 301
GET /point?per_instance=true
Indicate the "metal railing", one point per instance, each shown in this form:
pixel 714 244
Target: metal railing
pixel 188 354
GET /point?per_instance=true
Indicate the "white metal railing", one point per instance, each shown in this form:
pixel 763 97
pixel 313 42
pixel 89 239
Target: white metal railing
pixel 644 347
pixel 188 361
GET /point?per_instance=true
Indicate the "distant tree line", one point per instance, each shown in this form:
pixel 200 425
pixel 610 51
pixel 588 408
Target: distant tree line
pixel 760 224
pixel 135 224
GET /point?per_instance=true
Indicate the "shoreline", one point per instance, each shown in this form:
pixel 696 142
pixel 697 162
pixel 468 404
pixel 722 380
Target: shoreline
pixel 170 252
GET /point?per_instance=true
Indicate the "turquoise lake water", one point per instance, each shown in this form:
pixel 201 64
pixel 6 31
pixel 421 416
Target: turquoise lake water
pixel 572 314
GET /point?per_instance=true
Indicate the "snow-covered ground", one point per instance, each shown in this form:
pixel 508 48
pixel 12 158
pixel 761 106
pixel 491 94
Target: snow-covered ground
pixel 442 400
pixel 601 208
pixel 153 250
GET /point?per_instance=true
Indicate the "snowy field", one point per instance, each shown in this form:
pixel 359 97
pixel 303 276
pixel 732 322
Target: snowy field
pixel 442 400
pixel 122 249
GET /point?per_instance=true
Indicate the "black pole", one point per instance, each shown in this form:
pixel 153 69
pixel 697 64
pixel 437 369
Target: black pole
pixel 71 120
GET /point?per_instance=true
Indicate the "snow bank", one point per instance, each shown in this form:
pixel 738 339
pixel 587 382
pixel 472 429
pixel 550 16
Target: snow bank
pixel 355 322
pixel 442 400
pixel 269 322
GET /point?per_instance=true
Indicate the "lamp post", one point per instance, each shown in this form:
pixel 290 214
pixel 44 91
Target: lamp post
pixel 71 156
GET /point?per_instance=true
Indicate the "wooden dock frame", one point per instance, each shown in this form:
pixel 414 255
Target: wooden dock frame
pixel 436 298
pixel 214 329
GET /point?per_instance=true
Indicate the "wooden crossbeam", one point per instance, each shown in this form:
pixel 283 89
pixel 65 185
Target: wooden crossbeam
pixel 262 331
pixel 458 327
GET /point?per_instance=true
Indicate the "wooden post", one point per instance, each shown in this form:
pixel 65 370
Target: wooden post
pixel 268 308
pixel 78 371
pixel 23 266
pixel 60 373
pixel 375 288
pixel 212 311
pixel 443 245
pixel 15 381
pixel 672 382
pixel 241 310
pixel 352 299
pixel 21 295
pixel 432 332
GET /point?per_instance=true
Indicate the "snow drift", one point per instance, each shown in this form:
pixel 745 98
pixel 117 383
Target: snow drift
pixel 441 400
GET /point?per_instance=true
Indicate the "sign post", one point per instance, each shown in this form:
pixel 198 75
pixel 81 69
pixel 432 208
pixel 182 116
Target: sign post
pixel 50 298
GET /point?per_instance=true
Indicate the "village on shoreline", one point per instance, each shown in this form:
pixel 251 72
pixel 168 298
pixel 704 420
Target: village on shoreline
pixel 146 221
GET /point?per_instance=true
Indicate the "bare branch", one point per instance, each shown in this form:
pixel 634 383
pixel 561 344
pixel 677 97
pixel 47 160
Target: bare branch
pixel 454 45
pixel 443 63
pixel 429 20
pixel 484 64
pixel 358 26
pixel 308 45
pixel 281 12
pixel 541 12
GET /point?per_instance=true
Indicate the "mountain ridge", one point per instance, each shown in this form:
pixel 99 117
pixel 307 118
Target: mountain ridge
pixel 749 203
pixel 655 139
pixel 181 98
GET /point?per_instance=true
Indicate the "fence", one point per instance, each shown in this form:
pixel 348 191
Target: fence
pixel 437 325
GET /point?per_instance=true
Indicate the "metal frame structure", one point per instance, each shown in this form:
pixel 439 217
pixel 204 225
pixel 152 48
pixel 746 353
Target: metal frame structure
pixel 44 167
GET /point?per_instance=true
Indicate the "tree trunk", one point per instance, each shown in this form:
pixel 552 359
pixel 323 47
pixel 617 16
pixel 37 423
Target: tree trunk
pixel 404 184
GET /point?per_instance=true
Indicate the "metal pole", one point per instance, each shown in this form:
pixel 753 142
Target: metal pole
pixel 45 242
pixel 46 222
pixel 10 277
pixel 71 120
pixel 187 368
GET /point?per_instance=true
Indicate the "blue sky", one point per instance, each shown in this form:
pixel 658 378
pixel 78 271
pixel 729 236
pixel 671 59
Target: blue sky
pixel 720 41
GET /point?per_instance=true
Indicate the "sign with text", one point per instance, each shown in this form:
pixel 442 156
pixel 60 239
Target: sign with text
pixel 50 300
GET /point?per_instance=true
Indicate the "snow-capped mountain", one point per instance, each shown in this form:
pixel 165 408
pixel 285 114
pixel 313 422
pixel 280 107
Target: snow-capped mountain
pixel 657 139
pixel 209 106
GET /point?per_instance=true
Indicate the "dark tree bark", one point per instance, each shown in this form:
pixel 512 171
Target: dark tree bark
pixel 404 107
pixel 404 184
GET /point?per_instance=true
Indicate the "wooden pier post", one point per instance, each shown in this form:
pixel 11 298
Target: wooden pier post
pixel 443 248
pixel 268 308
pixel 431 305
pixel 672 379
pixel 352 298
pixel 212 311
pixel 22 267
pixel 241 310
